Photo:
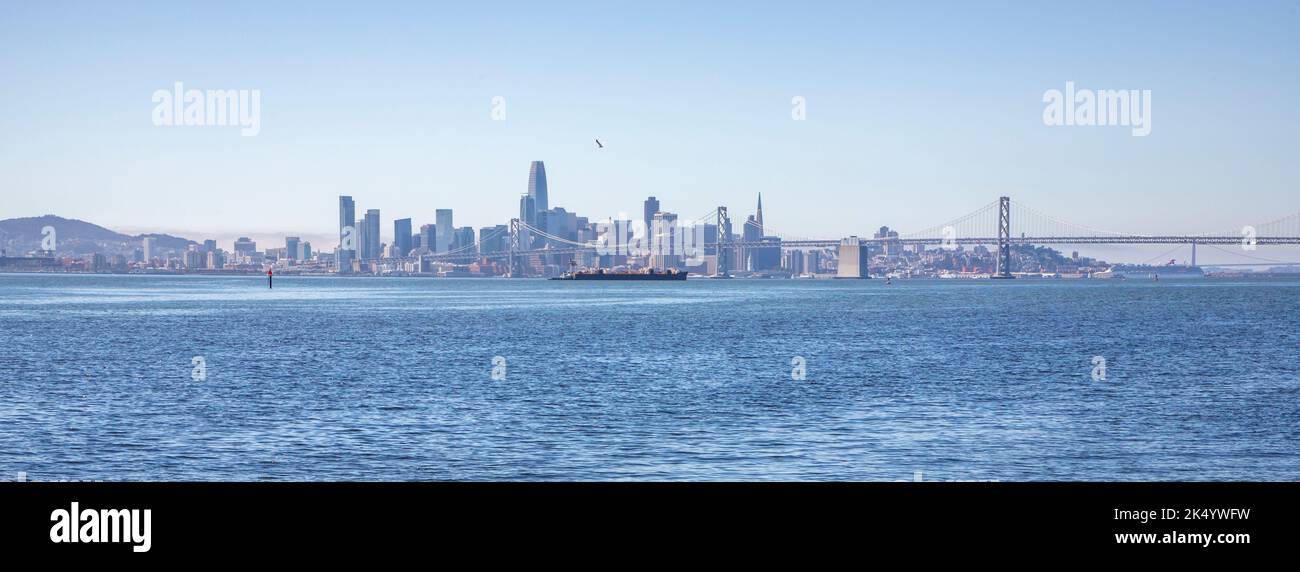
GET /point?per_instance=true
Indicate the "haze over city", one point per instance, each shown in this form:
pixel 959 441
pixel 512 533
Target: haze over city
pixel 911 119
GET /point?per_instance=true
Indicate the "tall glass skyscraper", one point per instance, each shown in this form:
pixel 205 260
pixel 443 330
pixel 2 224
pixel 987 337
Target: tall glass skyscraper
pixel 651 207
pixel 370 248
pixel 402 236
pixel 537 187
pixel 527 210
pixel 360 234
pixel 444 231
pixel 428 237
pixel 347 214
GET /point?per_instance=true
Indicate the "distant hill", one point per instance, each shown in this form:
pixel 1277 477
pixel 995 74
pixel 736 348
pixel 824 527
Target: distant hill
pixel 29 229
pixel 21 235
pixel 166 241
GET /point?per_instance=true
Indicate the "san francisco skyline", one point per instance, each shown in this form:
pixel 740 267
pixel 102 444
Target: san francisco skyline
pixel 907 118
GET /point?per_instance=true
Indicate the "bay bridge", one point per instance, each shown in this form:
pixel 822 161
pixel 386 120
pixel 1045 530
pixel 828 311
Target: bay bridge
pixel 1000 224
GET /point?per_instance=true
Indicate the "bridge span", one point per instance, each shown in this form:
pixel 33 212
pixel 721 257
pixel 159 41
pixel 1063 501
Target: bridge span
pixel 992 225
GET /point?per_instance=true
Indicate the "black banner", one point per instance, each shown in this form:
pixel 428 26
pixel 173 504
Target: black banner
pixel 161 521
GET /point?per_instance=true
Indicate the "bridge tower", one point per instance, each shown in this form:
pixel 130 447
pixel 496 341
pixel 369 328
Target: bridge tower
pixel 1004 238
pixel 515 265
pixel 723 246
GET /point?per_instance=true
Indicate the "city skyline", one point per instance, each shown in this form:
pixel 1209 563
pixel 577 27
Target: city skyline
pixel 373 243
pixel 907 114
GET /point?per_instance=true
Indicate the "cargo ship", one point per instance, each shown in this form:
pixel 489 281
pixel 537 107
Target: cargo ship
pixel 602 274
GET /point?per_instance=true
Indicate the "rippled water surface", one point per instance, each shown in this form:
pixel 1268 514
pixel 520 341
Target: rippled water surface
pixel 390 379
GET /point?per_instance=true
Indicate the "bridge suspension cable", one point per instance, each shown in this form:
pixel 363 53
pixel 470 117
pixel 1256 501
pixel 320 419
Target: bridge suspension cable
pixel 1244 255
pixel 474 247
pixel 980 222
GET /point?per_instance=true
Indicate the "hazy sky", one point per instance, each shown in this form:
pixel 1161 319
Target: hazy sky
pixel 916 112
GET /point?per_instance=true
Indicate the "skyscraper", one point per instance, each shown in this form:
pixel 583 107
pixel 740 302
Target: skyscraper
pixel 245 246
pixel 370 238
pixel 891 246
pixel 853 259
pixel 527 210
pixel 427 237
pixel 755 257
pixel 493 239
pixel 464 238
pixel 651 207
pixel 402 236
pixel 291 247
pixel 663 241
pixel 752 234
pixel 446 233
pixel 347 213
pixel 361 239
pixel 537 185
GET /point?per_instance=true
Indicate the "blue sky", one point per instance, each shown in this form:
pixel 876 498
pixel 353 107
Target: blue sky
pixel 916 112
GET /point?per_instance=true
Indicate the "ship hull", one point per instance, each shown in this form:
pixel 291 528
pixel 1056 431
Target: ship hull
pixel 629 276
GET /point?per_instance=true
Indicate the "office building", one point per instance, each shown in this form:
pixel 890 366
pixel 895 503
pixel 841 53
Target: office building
pixel 853 259
pixel 291 247
pixel 463 239
pixel 891 245
pixel 215 259
pixel 402 236
pixel 493 239
pixel 428 238
pixel 537 186
pixel 195 258
pixel 558 222
pixel 360 239
pixel 370 244
pixel 527 210
pixel 651 206
pixel 444 232
pixel 343 256
pixel 664 247
pixel 245 246
pixel 767 256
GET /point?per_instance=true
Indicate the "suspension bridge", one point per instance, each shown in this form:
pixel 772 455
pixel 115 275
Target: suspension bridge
pixel 1001 224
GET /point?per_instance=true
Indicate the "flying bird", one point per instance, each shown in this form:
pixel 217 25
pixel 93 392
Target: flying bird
pixel 599 145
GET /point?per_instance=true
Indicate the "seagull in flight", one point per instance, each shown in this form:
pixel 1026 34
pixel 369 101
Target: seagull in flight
pixel 599 145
